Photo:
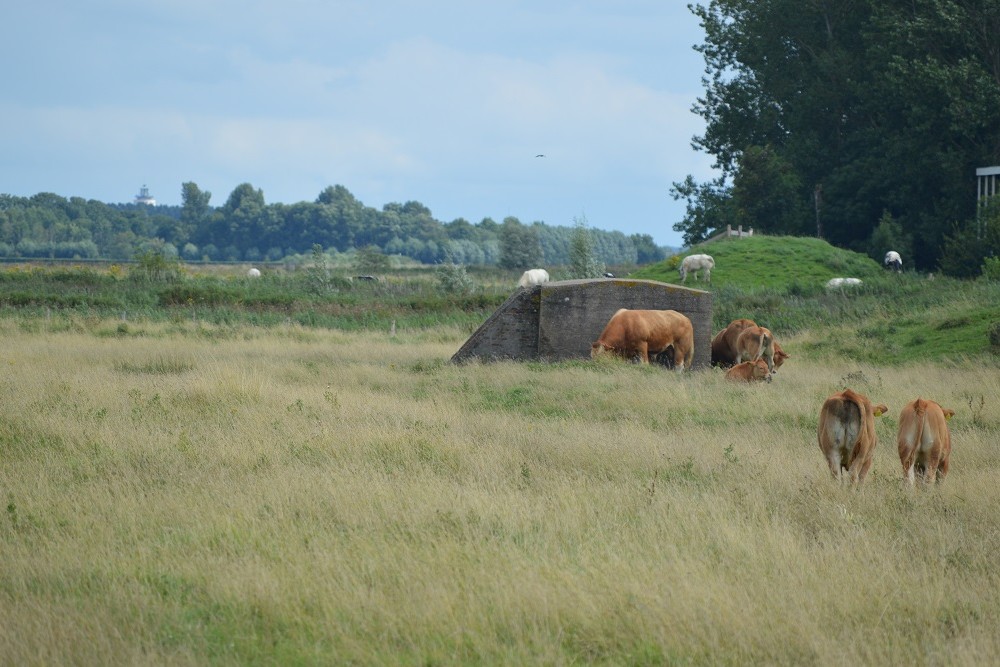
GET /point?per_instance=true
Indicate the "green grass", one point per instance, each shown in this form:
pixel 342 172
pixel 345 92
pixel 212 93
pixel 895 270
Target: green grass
pixel 314 496
pixel 779 282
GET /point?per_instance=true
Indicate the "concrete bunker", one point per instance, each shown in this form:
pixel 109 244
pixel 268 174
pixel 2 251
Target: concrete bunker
pixel 559 320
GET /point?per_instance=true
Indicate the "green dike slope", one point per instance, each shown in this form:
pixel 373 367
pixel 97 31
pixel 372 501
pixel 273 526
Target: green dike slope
pixel 780 282
pixel 769 261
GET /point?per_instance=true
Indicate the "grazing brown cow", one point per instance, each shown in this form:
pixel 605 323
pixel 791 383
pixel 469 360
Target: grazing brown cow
pixel 754 343
pixel 641 333
pixel 847 433
pixel 749 371
pixel 924 440
pixel 779 356
pixel 724 343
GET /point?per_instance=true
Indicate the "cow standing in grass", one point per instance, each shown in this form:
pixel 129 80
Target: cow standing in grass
pixel 694 264
pixel 924 440
pixel 847 433
pixel 646 333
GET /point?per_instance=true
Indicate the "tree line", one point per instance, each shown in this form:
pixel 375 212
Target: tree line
pixel 246 228
pixel 859 121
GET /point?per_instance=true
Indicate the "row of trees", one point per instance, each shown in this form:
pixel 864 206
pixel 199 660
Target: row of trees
pixel 859 121
pixel 246 228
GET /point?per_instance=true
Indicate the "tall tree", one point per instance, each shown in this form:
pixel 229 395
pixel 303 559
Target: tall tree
pixel 519 246
pixel 846 110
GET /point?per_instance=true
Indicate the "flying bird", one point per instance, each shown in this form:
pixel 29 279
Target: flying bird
pixel 540 155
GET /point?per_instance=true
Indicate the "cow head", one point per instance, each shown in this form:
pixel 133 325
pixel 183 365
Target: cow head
pixel 779 356
pixel 597 349
pixel 760 371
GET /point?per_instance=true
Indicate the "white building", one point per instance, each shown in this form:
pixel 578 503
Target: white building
pixel 144 197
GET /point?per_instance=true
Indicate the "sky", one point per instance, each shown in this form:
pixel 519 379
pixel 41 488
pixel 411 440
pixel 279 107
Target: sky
pixel 448 103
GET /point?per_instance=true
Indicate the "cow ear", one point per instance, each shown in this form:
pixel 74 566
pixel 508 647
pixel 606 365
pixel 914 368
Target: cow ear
pixel 948 414
pixel 880 409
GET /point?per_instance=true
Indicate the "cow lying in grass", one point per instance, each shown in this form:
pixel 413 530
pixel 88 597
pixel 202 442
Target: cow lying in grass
pixel 643 334
pixel 749 371
pixel 924 440
pixel 847 433
pixel 533 277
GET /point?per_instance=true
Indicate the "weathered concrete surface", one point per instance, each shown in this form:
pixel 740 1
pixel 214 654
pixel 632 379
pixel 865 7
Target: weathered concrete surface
pixel 559 320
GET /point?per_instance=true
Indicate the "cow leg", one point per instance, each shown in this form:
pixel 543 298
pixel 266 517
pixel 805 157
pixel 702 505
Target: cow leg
pixel 643 349
pixel 908 468
pixel 942 470
pixel 678 359
pixel 931 475
pixel 863 470
pixel 834 462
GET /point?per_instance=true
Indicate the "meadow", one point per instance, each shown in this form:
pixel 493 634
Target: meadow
pixel 186 493
pixel 202 469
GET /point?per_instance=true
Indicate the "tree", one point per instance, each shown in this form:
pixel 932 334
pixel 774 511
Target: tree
pixel 583 261
pixel 886 105
pixel 371 260
pixel 519 246
pixel 194 210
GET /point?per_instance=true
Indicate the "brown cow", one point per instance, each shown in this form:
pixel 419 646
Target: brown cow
pixel 749 371
pixel 754 343
pixel 924 440
pixel 724 343
pixel 779 355
pixel 847 433
pixel 643 333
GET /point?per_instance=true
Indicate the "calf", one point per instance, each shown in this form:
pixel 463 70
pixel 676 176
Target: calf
pixel 847 433
pixel 724 343
pixel 749 371
pixel 645 333
pixel 924 440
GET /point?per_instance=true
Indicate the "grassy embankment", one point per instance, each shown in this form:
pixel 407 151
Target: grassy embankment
pixel 181 491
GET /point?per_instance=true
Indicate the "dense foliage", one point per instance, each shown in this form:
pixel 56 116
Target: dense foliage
pixel 842 119
pixel 246 228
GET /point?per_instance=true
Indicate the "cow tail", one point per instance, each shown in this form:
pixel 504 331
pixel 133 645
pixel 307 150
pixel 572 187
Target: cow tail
pixel 856 447
pixel 760 346
pixel 920 409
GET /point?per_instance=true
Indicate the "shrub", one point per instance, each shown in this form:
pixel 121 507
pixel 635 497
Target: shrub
pixel 994 334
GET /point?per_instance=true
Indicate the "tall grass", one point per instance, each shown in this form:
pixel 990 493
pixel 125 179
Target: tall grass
pixel 246 495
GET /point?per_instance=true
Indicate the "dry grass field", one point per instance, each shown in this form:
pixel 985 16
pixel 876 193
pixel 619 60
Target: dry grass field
pixel 179 494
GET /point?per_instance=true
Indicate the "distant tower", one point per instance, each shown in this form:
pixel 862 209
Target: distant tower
pixel 144 197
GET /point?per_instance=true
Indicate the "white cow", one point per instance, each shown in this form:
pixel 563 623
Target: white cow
pixel 533 277
pixel 893 261
pixel 694 264
pixel 253 273
pixel 835 283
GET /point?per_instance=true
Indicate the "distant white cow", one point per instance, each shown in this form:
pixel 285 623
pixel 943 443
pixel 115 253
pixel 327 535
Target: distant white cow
pixel 893 261
pixel 533 277
pixel 835 283
pixel 253 273
pixel 694 264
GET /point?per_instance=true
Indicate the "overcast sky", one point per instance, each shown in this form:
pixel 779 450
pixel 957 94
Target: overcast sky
pixel 443 102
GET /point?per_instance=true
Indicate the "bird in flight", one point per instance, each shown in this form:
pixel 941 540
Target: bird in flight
pixel 540 155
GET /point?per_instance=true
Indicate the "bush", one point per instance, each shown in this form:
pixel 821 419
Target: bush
pixel 994 334
pixel 453 279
